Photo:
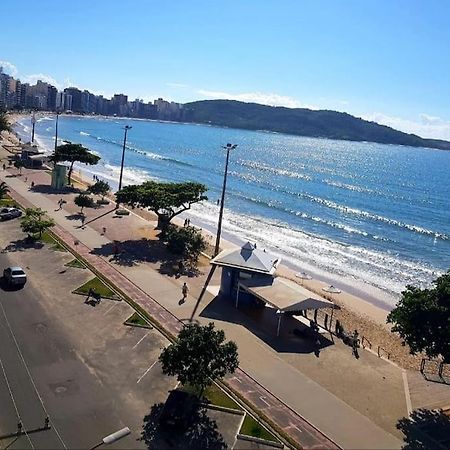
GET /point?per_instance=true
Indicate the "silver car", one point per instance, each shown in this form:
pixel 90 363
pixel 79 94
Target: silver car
pixel 9 213
pixel 14 276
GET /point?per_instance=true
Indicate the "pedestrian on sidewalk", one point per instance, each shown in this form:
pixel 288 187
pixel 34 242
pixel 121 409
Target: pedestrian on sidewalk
pixel 26 179
pixel 185 291
pixel 4 166
pixel 83 219
pixel 32 184
pixel 103 231
pixel 60 203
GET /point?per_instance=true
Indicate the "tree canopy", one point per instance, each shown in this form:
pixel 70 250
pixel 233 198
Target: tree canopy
pixel 185 241
pixel 4 124
pixel 73 153
pixel 199 356
pixel 34 222
pixel 18 164
pixel 166 200
pixel 83 201
pixel 422 318
pixel 99 188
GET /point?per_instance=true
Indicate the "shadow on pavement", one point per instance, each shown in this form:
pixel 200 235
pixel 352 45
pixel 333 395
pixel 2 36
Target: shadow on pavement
pixel 425 429
pixel 23 244
pixel 263 322
pixel 200 433
pixel 46 189
pixel 134 251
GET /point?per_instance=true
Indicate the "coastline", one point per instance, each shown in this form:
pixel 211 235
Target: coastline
pixel 356 312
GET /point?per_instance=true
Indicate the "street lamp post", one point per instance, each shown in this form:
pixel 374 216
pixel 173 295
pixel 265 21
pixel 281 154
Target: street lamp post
pixel 126 128
pixel 227 147
pixel 56 129
pixel 114 437
pixel 33 123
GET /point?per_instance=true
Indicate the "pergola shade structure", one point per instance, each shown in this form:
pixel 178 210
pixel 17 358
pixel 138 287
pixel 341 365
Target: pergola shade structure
pixel 283 294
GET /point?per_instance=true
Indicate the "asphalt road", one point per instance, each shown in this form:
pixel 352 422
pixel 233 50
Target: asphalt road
pixel 74 363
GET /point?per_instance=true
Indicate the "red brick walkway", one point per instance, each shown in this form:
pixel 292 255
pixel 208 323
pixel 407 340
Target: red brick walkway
pixel 258 396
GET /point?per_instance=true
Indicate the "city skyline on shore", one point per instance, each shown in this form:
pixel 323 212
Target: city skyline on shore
pixel 376 60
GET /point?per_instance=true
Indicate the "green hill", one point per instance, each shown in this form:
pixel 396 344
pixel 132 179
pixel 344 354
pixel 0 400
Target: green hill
pixel 300 121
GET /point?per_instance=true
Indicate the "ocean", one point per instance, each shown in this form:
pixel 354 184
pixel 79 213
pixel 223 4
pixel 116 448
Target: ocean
pixel 366 217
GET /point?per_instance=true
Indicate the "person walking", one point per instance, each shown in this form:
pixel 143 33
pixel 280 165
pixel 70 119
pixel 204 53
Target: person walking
pixel 83 219
pixel 185 291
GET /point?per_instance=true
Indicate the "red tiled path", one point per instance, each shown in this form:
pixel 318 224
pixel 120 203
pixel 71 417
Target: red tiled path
pixel 307 436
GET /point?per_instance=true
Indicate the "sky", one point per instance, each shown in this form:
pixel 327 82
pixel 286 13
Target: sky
pixel 383 60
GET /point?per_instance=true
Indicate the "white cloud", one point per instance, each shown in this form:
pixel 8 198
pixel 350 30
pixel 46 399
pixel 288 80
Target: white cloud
pixel 9 68
pixel 256 97
pixel 427 126
pixel 177 85
pixel 33 78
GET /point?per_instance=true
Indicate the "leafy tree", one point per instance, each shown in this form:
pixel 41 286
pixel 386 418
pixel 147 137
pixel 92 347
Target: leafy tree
pixel 185 241
pixel 422 318
pixel 99 188
pixel 18 164
pixel 4 124
pixel 83 201
pixel 3 189
pixel 34 222
pixel 71 153
pixel 166 200
pixel 200 356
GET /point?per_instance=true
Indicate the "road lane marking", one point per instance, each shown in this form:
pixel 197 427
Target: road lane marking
pixel 262 399
pixel 140 340
pixel 31 378
pixel 108 310
pixel 146 372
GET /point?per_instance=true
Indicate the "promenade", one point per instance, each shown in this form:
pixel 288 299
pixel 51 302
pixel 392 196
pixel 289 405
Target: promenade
pixel 285 395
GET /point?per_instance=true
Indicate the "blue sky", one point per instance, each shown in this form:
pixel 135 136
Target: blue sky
pixel 383 60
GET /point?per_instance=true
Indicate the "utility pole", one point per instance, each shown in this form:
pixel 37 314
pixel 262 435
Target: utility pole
pixel 228 147
pixel 33 123
pixel 126 128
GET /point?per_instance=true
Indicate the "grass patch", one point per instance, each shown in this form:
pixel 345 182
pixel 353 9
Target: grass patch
pixel 75 263
pixel 137 319
pixel 98 286
pixel 250 427
pixel 215 395
pixel 47 238
pixel 8 202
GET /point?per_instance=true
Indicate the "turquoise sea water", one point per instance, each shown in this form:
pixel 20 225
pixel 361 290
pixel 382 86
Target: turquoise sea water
pixel 371 216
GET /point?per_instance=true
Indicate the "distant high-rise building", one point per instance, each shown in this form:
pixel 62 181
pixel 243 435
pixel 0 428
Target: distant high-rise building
pixel 75 93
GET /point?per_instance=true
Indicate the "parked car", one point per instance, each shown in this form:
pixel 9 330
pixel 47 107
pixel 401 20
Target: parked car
pixel 14 276
pixel 9 213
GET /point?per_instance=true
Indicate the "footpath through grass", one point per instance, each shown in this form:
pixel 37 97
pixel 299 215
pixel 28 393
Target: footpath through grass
pixel 98 286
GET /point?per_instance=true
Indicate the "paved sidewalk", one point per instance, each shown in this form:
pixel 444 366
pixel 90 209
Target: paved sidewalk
pixel 334 417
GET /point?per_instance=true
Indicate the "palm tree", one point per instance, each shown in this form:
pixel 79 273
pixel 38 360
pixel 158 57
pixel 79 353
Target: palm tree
pixel 3 189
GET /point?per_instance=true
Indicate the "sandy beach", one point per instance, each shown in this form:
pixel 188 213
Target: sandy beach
pixel 354 313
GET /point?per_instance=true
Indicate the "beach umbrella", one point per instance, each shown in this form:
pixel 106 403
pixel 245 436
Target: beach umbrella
pixel 331 289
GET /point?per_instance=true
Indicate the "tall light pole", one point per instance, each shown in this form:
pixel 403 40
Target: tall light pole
pixel 33 123
pixel 114 437
pixel 126 128
pixel 56 128
pixel 227 147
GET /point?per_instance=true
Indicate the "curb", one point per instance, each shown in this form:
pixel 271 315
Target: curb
pixel 244 437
